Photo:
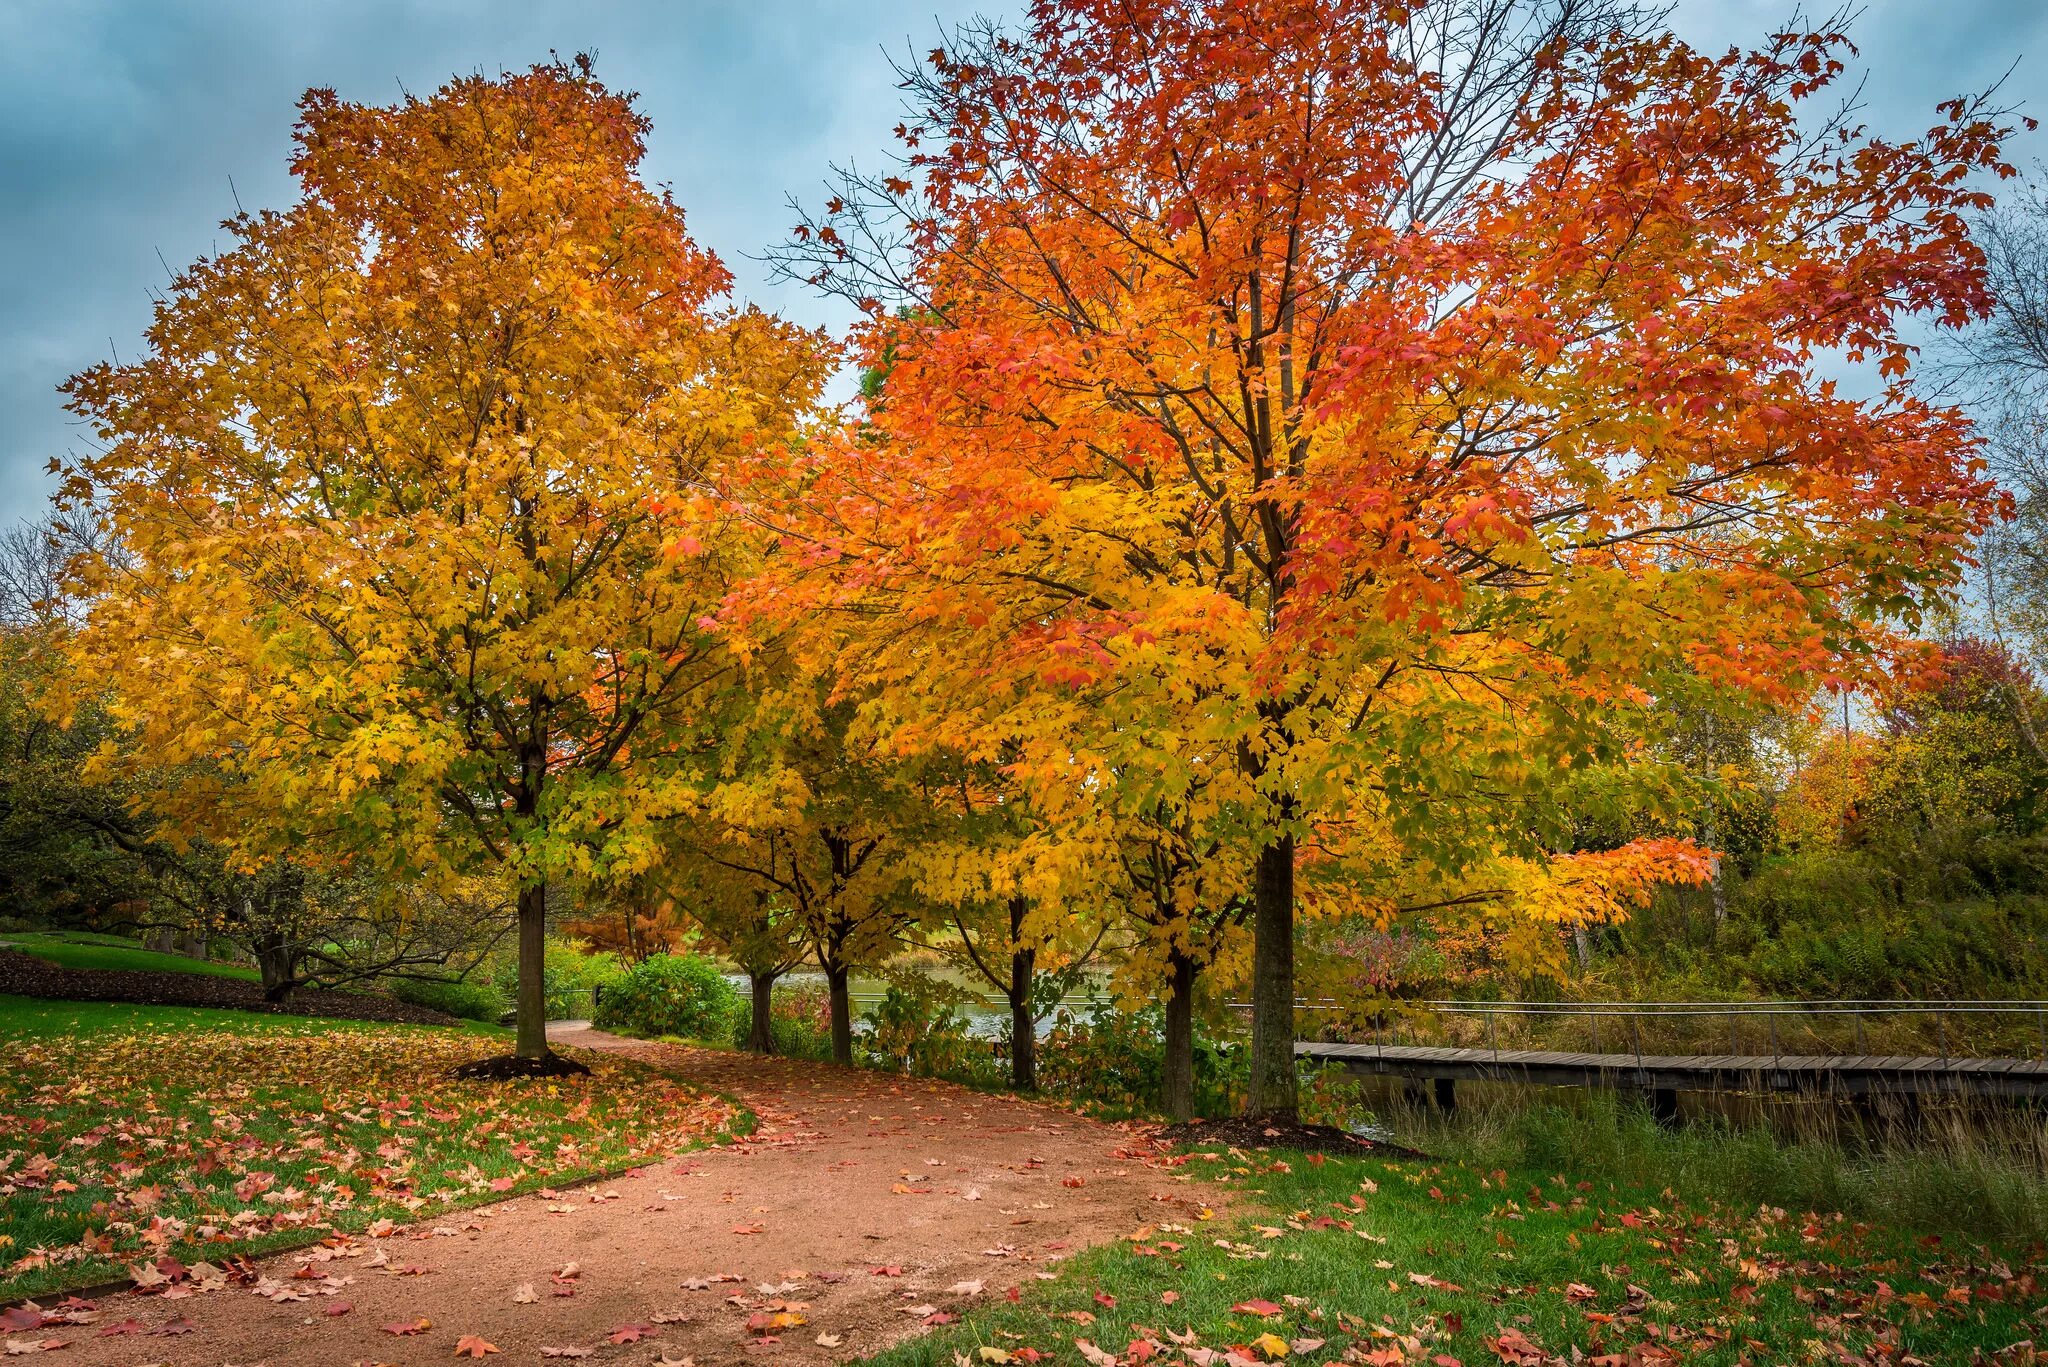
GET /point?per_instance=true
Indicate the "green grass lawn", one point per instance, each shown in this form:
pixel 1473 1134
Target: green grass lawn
pixel 83 949
pixel 1390 1263
pixel 130 1132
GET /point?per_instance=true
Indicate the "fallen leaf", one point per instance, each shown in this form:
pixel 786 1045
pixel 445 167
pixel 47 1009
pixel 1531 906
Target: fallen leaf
pixel 1096 1356
pixel 473 1346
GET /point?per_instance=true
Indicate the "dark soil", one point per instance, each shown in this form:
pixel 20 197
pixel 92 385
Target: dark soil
pixel 24 975
pixel 504 1067
pixel 1243 1133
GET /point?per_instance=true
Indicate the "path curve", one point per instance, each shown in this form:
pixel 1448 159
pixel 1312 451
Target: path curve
pixel 848 1172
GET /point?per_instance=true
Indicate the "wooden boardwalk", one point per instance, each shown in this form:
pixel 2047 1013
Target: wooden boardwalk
pixel 1665 1075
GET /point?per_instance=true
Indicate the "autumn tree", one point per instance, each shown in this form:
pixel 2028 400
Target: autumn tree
pixel 410 488
pixel 812 821
pixel 1388 397
pixel 66 846
pixel 725 890
pixel 1187 920
pixel 1013 900
pixel 635 917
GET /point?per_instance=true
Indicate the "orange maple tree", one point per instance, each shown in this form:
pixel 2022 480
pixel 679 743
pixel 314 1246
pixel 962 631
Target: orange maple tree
pixel 1378 400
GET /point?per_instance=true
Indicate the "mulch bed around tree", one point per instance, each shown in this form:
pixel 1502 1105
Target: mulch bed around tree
pixel 24 975
pixel 1239 1132
pixel 505 1067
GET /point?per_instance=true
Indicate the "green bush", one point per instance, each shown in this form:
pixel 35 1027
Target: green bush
pixel 1117 1059
pixel 468 1000
pixel 670 994
pixel 917 1028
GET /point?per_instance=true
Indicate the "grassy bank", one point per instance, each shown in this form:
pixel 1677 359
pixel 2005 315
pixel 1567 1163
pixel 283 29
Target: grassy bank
pixel 1981 1169
pixel 83 949
pixel 135 1132
pixel 1391 1263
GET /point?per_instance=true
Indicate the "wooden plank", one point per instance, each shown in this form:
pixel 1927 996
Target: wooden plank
pixel 1904 1073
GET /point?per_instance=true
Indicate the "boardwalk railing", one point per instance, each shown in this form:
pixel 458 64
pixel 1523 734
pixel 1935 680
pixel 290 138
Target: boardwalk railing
pixel 1766 1029
pixel 1997 1048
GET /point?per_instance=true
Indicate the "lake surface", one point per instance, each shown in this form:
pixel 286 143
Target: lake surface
pixel 986 1016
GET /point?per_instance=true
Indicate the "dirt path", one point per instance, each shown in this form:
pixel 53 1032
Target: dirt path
pixel 863 1204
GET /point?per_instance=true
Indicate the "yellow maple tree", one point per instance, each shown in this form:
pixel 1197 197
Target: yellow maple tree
pixel 415 551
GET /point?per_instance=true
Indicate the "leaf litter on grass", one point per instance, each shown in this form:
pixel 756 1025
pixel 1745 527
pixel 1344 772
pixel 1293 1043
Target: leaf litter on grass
pixel 127 1147
pixel 1385 1264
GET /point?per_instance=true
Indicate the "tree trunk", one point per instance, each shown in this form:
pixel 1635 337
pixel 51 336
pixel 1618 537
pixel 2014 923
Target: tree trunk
pixel 842 1013
pixel 1273 1094
pixel 1179 1082
pixel 275 961
pixel 1715 884
pixel 532 1033
pixel 1023 1029
pixel 760 1037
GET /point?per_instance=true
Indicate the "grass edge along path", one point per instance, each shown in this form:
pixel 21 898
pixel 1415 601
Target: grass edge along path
pixel 137 1213
pixel 1394 1263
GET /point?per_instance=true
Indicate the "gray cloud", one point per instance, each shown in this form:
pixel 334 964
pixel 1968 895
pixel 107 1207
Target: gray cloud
pixel 123 127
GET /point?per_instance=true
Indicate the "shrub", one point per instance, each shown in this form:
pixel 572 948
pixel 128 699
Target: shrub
pixel 669 994
pixel 568 974
pixel 470 1001
pixel 917 1028
pixel 1117 1059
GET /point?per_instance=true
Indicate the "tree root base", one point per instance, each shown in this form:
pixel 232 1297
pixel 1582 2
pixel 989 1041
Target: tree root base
pixel 1247 1133
pixel 505 1067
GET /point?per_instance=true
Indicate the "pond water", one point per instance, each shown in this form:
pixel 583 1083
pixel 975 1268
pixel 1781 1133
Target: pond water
pixel 986 1016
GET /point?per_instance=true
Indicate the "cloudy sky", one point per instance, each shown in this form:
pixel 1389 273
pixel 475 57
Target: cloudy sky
pixel 128 130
